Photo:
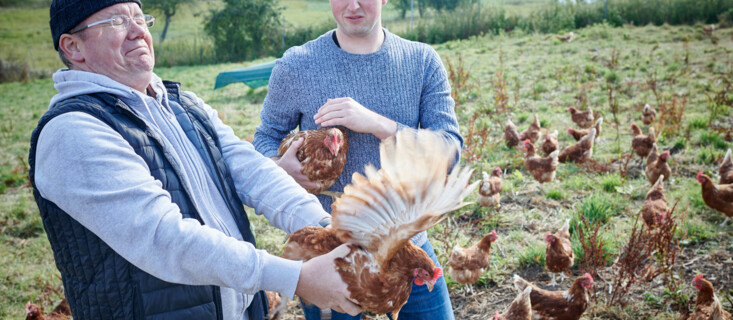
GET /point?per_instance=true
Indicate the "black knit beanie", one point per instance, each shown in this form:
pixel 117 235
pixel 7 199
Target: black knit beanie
pixel 66 14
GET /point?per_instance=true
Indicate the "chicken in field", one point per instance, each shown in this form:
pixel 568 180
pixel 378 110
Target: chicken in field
pixel 542 169
pixel 582 119
pixel 707 305
pixel 467 265
pixel 520 309
pixel 708 30
pixel 718 197
pixel 648 114
pixel 549 144
pixel 654 209
pixel 581 151
pixel 379 213
pixel 559 255
pixel 533 132
pixel 61 312
pixel 489 189
pixel 322 155
pixel 726 170
pixel 642 144
pixel 657 165
pixel 580 133
pixel 511 135
pixel 558 305
pixel 566 38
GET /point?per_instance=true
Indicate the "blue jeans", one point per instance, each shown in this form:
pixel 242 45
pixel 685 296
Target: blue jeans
pixel 421 305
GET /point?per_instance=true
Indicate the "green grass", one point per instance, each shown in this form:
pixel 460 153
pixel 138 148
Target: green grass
pixel 533 255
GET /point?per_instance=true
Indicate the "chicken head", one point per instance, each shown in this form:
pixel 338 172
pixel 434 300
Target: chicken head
pixel 549 237
pixel 701 177
pixel 697 282
pixel 587 282
pixel 334 140
pixel 425 277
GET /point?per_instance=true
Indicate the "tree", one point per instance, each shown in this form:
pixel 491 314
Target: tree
pixel 245 29
pixel 168 8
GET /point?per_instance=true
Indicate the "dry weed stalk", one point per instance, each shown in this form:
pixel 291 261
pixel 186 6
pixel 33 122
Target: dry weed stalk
pixel 593 249
pixel 458 79
pixel 671 111
pixel 478 135
pixel 630 264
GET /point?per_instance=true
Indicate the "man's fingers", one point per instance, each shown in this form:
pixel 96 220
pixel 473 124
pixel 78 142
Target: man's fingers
pixel 340 251
pixel 295 146
pixel 350 308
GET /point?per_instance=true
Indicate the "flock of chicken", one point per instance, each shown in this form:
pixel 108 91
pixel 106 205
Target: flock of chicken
pixel 418 184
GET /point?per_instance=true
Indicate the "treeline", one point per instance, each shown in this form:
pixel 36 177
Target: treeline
pixel 465 22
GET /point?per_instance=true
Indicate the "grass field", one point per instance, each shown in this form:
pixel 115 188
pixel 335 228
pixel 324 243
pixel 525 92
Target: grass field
pixel 528 74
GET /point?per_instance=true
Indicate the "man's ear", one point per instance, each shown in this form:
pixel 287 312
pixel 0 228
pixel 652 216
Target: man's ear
pixel 70 45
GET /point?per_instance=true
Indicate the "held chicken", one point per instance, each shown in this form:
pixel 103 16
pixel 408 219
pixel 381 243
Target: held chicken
pixel 657 165
pixel 648 114
pixel 707 305
pixel 511 135
pixel 559 255
pixel 726 170
pixel 654 209
pixel 61 312
pixel 581 151
pixel 558 305
pixel 533 132
pixel 467 265
pixel 490 188
pixel 718 197
pixel 520 309
pixel 542 169
pixel 642 144
pixel 381 211
pixel 580 133
pixel 322 155
pixel 582 119
pixel 549 144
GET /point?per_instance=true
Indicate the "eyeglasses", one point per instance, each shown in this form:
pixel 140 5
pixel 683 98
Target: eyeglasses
pixel 120 22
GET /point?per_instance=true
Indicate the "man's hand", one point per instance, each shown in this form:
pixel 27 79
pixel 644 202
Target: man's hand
pixel 349 113
pixel 289 162
pixel 320 284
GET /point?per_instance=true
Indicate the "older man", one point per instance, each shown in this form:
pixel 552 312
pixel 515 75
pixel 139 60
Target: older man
pixel 373 83
pixel 141 187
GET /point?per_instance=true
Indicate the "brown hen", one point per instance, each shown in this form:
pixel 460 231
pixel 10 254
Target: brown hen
pixel 718 197
pixel 559 255
pixel 322 155
pixel 533 131
pixel 378 214
pixel 549 144
pixel 61 312
pixel 642 144
pixel 490 188
pixel 558 305
pixel 726 170
pixel 657 165
pixel 580 133
pixel 520 309
pixel 467 265
pixel 707 305
pixel 654 209
pixel 542 169
pixel 511 135
pixel 582 119
pixel 581 151
pixel 648 114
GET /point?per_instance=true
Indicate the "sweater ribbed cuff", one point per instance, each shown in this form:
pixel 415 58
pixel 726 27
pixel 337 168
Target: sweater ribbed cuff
pixel 280 275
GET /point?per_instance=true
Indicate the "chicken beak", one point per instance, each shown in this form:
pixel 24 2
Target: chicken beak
pixel 430 285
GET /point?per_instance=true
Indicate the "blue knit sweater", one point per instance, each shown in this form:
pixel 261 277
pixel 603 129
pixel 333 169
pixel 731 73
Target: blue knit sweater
pixel 403 80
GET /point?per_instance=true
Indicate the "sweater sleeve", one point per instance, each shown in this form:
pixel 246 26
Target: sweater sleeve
pixel 437 108
pixel 263 185
pixel 88 170
pixel 280 113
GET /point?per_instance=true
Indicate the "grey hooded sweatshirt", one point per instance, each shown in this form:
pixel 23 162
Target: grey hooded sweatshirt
pixel 88 170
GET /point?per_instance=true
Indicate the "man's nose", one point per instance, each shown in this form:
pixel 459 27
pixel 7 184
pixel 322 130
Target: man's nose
pixel 135 30
pixel 353 5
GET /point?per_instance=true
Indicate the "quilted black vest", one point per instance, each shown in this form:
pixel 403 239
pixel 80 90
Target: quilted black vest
pixel 99 283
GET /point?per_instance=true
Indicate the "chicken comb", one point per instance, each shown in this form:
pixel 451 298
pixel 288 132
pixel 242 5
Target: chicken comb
pixel 526 141
pixel 437 273
pixel 698 277
pixel 699 174
pixel 587 275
